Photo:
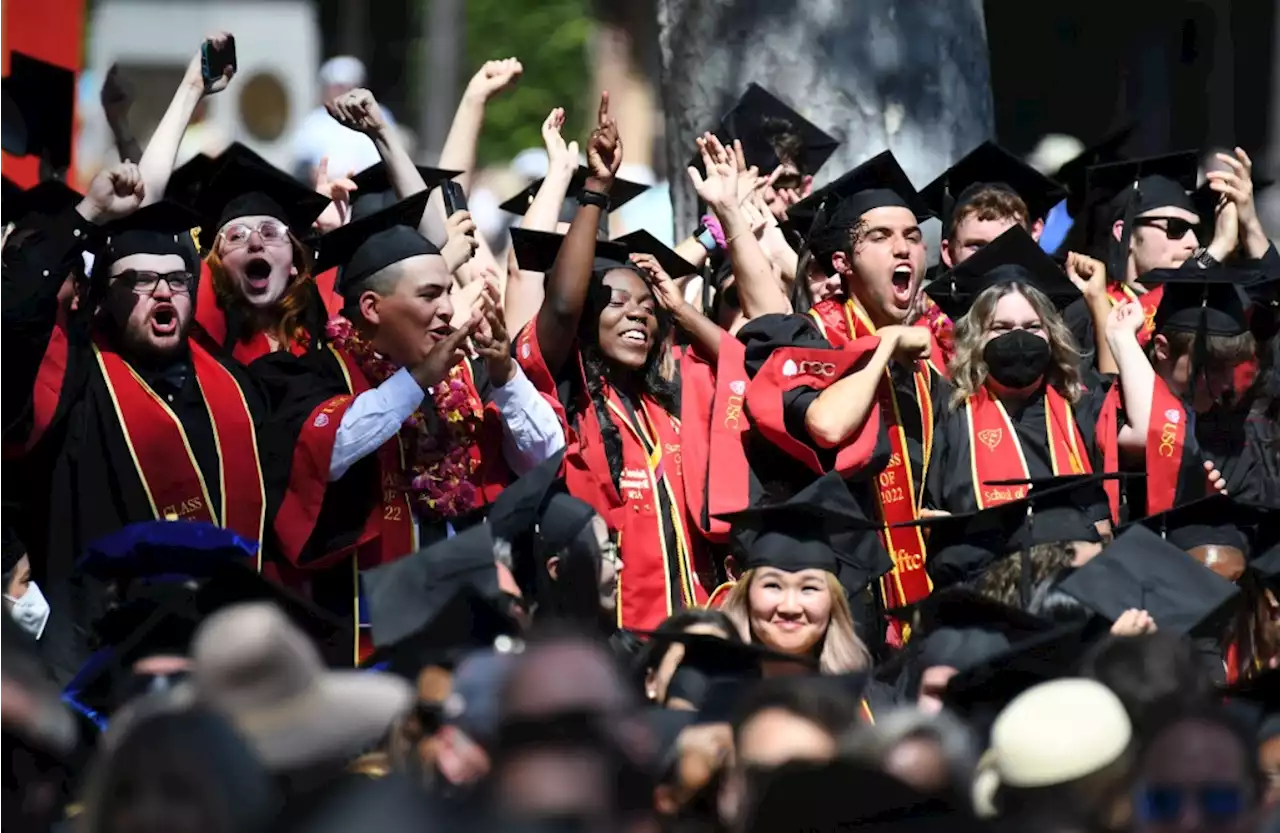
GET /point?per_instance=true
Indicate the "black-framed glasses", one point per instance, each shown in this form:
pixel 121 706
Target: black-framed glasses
pixel 1165 803
pixel 145 283
pixel 1174 228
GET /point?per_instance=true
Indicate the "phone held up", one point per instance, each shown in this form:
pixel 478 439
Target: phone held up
pixel 455 199
pixel 215 60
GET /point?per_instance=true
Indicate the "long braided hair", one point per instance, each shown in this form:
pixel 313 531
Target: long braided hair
pixel 599 372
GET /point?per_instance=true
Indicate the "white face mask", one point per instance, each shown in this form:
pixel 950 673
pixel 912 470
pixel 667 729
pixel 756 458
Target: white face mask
pixel 31 612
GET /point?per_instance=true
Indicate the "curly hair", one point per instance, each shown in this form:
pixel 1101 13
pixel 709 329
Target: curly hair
pixel 1001 581
pixel 288 313
pixel 599 372
pixel 842 651
pixel 969 370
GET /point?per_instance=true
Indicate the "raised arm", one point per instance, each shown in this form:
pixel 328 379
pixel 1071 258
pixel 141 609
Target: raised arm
pixel 157 160
pixel 567 283
pixel 704 332
pixel 1137 378
pixel 524 289
pixel 1090 276
pixel 459 151
pixel 759 293
pixel 1236 184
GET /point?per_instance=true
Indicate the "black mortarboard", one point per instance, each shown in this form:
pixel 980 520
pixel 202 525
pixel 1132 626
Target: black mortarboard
pixel 189 178
pixel 878 182
pixel 1073 173
pixel 536 251
pixel 45 95
pixel 1013 257
pixel 708 659
pixel 366 246
pixel 1209 301
pixel 643 241
pixel 529 506
pixel 13 126
pixel 447 626
pixel 242 187
pixel 622 193
pixel 375 179
pixel 665 725
pixel 1061 507
pixel 1217 519
pixel 820 527
pixel 1124 190
pixel 850 795
pixel 960 628
pixel 989 165
pixel 962 545
pixel 981 691
pixel 405 596
pixel 48 198
pixel 758 119
pixel 1140 570
pixel 162 228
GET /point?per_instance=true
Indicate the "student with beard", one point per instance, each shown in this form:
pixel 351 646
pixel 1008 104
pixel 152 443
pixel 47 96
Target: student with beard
pixel 375 478
pixel 1019 407
pixel 118 404
pixel 598 345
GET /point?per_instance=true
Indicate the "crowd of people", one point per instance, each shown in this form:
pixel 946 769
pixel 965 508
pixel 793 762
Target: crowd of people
pixel 320 515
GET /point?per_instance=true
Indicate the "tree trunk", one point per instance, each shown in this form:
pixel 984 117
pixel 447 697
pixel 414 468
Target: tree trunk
pixel 908 75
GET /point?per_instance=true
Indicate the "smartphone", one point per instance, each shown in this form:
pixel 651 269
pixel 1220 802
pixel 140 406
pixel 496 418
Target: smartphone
pixel 214 60
pixel 455 199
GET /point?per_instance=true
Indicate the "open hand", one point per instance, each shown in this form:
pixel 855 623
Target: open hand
pixel 1133 622
pixel 664 289
pixel 562 159
pixel 720 188
pixel 492 341
pixel 358 110
pixel 1226 229
pixel 1088 274
pixel 446 352
pixel 1236 184
pixel 461 244
pixel 493 78
pixel 604 148
pixel 114 193
pixel 338 190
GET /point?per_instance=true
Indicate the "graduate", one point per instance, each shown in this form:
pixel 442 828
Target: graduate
pixel 374 477
pixel 599 345
pixel 1019 406
pixel 1200 335
pixel 115 403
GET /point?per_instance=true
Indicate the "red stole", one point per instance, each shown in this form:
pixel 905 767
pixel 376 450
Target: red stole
pixel 1121 293
pixel 843 321
pixel 995 453
pixel 1165 446
pixel 899 496
pixel 652 460
pixel 712 399
pixel 47 391
pixel 162 455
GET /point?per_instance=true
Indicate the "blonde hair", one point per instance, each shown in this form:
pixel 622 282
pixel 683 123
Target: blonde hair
pixel 842 651
pixel 288 310
pixel 969 370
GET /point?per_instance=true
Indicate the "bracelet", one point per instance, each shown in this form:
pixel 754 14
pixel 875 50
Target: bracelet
pixel 588 197
pixel 1204 259
pixel 736 236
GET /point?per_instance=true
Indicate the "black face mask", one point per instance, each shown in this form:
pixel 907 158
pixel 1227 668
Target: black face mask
pixel 1017 359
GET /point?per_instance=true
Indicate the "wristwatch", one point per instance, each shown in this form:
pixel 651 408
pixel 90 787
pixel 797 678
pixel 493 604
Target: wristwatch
pixel 1203 259
pixel 589 197
pixel 705 238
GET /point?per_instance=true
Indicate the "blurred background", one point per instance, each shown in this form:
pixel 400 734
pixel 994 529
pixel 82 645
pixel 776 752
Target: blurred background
pixel 1189 73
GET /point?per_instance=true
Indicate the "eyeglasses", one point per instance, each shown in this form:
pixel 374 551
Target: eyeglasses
pixel 1174 228
pixel 271 231
pixel 146 283
pixel 1164 804
pixel 609 553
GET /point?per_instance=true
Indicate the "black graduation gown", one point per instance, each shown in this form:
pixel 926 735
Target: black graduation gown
pixel 77 480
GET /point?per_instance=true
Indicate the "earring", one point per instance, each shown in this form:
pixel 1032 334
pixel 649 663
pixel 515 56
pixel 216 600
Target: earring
pixel 651 694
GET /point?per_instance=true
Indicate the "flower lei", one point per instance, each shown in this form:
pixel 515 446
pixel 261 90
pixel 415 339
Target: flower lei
pixel 942 327
pixel 442 466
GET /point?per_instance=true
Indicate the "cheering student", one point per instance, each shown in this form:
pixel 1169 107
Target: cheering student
pixel 598 345
pixel 115 415
pixel 393 472
pixel 1200 335
pixel 1019 407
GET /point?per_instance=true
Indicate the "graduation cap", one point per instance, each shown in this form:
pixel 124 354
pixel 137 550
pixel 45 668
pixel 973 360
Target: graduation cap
pixel 189 178
pixel 1143 571
pixel 162 228
pixel 850 795
pixel 160 549
pixel 1013 257
pixel 709 659
pixel 241 186
pixel 47 199
pixel 620 194
pixel 665 725
pixel 1124 190
pixel 820 527
pixel 878 182
pixel 1074 172
pixel 644 242
pixel 444 628
pixel 405 595
pixel 1208 301
pixel 44 95
pixel 1214 520
pixel 757 120
pixel 991 166
pixel 536 251
pixel 366 246
pixel 375 179
pixel 1257 699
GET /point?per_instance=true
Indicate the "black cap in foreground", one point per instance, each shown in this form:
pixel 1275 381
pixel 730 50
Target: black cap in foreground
pixel 759 120
pixel 366 246
pixel 241 186
pixel 991 166
pixel 1217 520
pixel 44 97
pixel 375 179
pixel 876 183
pixel 536 251
pixel 1013 257
pixel 708 659
pixel 620 194
pixel 1210 301
pixel 162 228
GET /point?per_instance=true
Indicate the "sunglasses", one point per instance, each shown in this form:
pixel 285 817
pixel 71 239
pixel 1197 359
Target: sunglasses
pixel 1174 228
pixel 1165 804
